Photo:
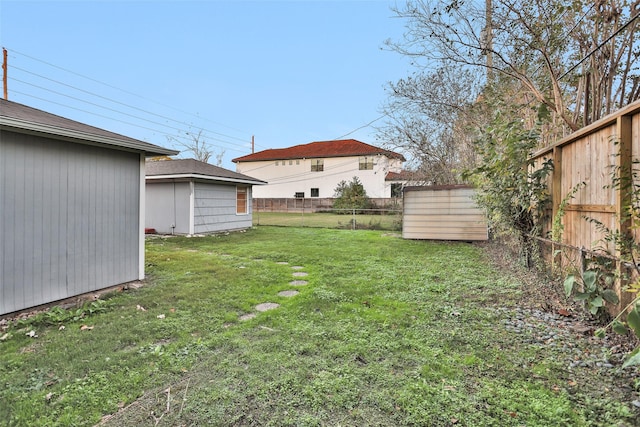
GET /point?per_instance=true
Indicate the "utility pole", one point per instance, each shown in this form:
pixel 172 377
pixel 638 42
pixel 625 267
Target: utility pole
pixel 253 144
pixel 4 73
pixel 488 40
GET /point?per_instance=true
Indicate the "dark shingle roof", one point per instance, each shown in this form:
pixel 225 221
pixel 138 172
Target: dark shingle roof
pixel 192 168
pixel 319 149
pixel 23 119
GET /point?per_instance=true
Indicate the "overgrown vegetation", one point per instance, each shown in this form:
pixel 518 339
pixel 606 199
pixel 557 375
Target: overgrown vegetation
pixel 511 188
pixel 387 332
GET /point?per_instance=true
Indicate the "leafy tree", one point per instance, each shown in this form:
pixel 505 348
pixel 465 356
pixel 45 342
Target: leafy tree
pixel 351 195
pixel 512 189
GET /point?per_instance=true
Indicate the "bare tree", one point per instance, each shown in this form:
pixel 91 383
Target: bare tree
pixel 430 119
pixel 536 44
pixel 196 144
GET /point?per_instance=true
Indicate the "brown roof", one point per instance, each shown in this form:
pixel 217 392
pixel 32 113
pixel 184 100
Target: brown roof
pixel 195 169
pixel 319 149
pixel 20 118
pixel 400 176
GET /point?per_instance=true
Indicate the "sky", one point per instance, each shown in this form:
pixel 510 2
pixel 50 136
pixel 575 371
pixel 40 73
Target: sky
pixel 285 72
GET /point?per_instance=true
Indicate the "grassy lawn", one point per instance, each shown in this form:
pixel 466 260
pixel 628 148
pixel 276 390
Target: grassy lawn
pixel 387 332
pixel 386 221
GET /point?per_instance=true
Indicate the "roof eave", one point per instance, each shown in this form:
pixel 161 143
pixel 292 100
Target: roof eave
pixel 24 126
pixel 271 159
pixel 207 178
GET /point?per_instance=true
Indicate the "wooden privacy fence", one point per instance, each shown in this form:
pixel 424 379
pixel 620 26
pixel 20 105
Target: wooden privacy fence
pixel 596 155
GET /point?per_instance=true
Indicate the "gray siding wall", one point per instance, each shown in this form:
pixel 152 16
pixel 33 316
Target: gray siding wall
pixel 69 219
pixel 215 208
pixel 167 203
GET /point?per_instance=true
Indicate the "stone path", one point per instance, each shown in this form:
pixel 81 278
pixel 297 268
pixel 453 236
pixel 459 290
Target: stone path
pixel 266 306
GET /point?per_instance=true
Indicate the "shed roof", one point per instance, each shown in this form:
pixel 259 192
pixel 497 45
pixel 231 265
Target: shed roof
pixel 191 168
pixel 439 187
pixel 319 149
pixel 20 118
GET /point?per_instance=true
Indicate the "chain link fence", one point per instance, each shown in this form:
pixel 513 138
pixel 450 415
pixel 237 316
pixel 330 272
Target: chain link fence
pixel 354 219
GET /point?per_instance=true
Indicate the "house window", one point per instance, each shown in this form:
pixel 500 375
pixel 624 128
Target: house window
pixel 317 165
pixel 315 192
pixel 241 200
pixel 396 190
pixel 277 163
pixel 297 162
pixel 290 162
pixel 299 195
pixel 366 163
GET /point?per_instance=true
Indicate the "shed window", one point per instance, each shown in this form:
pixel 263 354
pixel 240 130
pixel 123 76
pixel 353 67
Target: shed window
pixel 299 195
pixel 366 163
pixel 317 165
pixel 241 200
pixel 315 192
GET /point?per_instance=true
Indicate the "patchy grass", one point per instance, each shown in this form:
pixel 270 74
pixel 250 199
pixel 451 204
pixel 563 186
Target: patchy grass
pixel 387 332
pixel 384 221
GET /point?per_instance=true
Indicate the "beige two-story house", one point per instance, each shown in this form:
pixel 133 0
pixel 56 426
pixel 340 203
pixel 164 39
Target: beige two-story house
pixel 315 169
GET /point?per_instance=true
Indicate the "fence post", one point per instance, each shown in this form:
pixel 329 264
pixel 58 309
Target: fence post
pixel 353 225
pixel 623 197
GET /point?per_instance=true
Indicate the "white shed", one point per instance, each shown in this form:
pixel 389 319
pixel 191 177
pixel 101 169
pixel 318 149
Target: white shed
pixel 186 196
pixel 442 212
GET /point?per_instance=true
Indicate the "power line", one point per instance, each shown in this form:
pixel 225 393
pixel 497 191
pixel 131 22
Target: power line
pixel 106 117
pixel 184 128
pixel 117 112
pixel 113 101
pixel 361 127
pixel 597 48
pixel 121 90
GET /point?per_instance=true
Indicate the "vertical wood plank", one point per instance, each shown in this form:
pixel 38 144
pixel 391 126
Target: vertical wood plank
pixel 623 194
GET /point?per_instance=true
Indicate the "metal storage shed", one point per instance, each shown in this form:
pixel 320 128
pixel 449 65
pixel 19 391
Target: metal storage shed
pixel 71 207
pixel 446 212
pixel 186 196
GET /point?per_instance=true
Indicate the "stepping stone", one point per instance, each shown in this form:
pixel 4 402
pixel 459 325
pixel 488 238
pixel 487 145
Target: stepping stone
pixel 288 293
pixel 297 267
pixel 300 274
pixel 246 317
pixel 298 282
pixel 265 306
pixel 282 263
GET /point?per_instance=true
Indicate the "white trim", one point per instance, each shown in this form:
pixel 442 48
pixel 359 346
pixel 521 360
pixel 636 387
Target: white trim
pixel 192 207
pixel 206 177
pixel 141 219
pixel 246 201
